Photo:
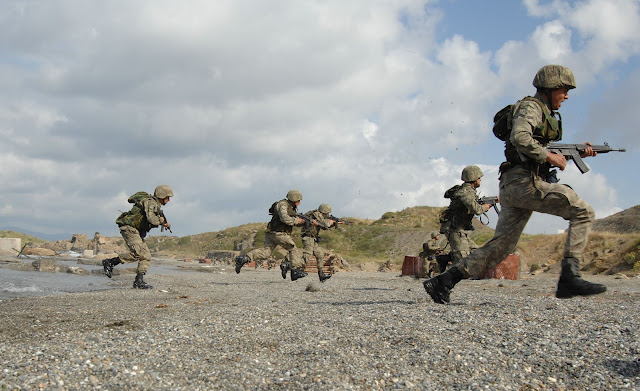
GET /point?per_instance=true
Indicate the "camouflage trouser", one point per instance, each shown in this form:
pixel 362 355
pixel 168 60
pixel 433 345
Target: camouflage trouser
pixel 461 245
pixel 310 247
pixel 273 240
pixel 519 199
pixel 138 249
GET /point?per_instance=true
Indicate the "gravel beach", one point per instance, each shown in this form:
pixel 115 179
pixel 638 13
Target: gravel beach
pixel 359 330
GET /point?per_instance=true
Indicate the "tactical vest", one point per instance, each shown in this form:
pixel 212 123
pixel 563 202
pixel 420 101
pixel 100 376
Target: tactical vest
pixel 456 216
pixel 311 230
pixel 550 129
pixel 276 225
pixel 136 217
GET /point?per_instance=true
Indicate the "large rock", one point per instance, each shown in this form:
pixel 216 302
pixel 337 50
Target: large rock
pixel 46 265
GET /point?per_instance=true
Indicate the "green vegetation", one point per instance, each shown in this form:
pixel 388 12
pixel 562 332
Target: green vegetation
pixel 25 238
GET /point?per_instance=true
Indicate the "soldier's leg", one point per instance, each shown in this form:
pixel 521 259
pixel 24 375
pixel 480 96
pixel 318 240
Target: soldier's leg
pixel 295 255
pixel 138 252
pixel 258 253
pixel 308 246
pixel 561 200
pixel 458 245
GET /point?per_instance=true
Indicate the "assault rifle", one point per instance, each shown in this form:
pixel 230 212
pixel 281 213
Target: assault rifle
pixel 337 221
pixel 161 214
pixel 308 221
pixel 493 201
pixel 573 151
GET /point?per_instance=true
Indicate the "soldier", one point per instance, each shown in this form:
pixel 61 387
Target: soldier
pixel 283 219
pixel 526 186
pixel 310 238
pixel 134 225
pixel 455 221
pixel 430 249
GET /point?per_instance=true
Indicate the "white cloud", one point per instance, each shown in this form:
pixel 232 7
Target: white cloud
pixel 233 103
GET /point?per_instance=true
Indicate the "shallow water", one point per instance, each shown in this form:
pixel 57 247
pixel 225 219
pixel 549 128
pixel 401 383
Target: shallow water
pixel 16 283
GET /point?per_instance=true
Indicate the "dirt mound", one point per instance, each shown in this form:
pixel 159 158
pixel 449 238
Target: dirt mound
pixel 627 221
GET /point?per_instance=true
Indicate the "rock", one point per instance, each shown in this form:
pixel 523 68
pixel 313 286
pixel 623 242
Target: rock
pixel 42 252
pixel 78 271
pixel 46 265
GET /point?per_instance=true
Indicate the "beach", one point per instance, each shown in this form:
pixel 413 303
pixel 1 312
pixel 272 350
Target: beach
pixel 210 328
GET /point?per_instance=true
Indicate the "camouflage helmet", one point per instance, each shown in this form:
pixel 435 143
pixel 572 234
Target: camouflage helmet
pixel 471 173
pixel 554 76
pixel 163 191
pixel 324 208
pixel 294 195
pixel 434 234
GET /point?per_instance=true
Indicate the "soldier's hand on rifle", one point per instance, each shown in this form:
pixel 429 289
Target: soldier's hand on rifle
pixel 300 221
pixel 588 151
pixel 486 207
pixel 314 223
pixel 557 160
pixel 167 225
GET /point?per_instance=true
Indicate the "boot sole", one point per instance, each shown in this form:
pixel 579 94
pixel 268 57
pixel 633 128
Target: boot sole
pixel 431 290
pixel 567 294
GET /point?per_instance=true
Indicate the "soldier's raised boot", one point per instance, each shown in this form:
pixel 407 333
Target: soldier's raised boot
pixel 139 283
pixel 108 264
pixel 297 274
pixel 570 283
pixel 241 260
pixel 324 277
pixel 284 268
pixel 439 287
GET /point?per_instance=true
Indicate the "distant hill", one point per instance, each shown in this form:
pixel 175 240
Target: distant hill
pixel 627 221
pixel 24 237
pixel 57 236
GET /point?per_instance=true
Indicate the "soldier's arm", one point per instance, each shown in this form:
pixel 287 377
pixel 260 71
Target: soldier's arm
pixel 527 116
pixel 468 197
pixel 325 223
pixel 151 209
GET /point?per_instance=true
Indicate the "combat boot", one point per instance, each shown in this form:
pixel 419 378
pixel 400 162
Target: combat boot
pixel 139 282
pixel 296 274
pixel 570 283
pixel 324 277
pixel 108 265
pixel 440 286
pixel 284 268
pixel 241 260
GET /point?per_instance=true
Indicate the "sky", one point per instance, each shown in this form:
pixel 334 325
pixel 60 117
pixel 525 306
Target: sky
pixel 369 105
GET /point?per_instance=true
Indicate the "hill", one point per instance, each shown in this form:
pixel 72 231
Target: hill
pixel 395 235
pixel 627 221
pixel 24 237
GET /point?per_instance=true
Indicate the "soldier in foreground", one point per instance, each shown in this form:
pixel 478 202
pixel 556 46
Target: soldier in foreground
pixel 455 221
pixel 134 225
pixel 310 238
pixel 525 187
pixel 283 219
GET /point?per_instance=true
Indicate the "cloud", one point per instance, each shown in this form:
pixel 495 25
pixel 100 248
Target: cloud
pixel 233 103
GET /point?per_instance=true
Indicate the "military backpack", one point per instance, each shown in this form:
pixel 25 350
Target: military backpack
pixel 501 122
pixel 136 216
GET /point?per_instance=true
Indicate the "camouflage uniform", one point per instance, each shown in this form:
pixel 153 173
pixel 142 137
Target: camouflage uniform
pixel 279 234
pixel 464 205
pixel 134 237
pixel 134 225
pixel 523 191
pixel 527 186
pixel 430 249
